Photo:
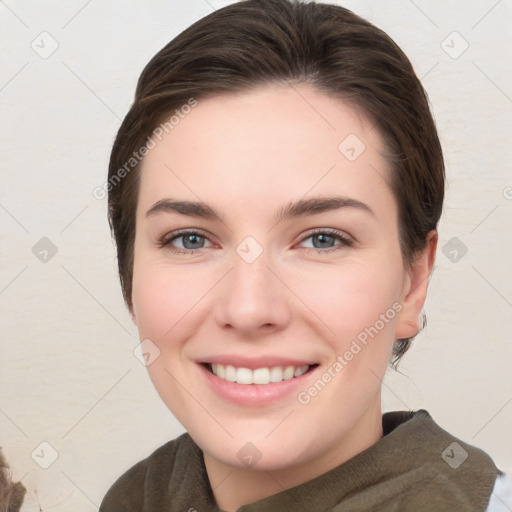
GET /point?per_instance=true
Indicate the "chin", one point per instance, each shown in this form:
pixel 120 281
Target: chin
pixel 253 456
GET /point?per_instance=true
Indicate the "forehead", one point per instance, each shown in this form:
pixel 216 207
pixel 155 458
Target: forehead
pixel 276 142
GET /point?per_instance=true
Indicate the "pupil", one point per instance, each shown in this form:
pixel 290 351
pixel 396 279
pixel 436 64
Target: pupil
pixel 188 238
pixel 322 239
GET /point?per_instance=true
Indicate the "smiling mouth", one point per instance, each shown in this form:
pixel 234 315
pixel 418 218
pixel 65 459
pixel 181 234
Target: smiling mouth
pixel 260 376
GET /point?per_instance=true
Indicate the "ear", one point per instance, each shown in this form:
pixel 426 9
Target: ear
pixel 414 291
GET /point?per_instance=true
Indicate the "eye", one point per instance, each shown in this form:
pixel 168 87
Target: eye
pixel 325 240
pixel 190 240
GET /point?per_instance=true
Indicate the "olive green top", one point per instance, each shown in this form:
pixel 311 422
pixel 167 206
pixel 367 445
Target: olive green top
pixel 416 466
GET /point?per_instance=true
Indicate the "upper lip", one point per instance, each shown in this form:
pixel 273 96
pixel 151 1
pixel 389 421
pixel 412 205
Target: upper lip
pixel 256 362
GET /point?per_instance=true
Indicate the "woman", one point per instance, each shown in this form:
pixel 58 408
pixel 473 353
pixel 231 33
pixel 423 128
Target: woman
pixel 274 194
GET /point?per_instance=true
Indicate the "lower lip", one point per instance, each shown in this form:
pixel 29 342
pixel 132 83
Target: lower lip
pixel 255 395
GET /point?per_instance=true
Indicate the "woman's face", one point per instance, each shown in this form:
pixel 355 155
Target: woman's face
pixel 285 258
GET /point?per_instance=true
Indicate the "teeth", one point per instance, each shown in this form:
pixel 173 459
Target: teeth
pixel 229 373
pixel 244 376
pixel 300 371
pixel 258 376
pixel 276 374
pixel 261 376
pixel 288 373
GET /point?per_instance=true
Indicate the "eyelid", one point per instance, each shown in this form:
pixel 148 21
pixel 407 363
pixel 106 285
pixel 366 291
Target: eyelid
pixel 346 240
pixel 169 237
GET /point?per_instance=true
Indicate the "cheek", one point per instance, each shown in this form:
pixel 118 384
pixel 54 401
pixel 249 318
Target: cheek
pixel 152 302
pixel 351 297
pixel 164 300
pixel 360 308
pixel 163 296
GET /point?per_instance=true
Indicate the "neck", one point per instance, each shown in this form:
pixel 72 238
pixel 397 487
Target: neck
pixel 234 486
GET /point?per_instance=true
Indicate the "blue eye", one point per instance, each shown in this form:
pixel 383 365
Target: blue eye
pixel 191 241
pixel 325 240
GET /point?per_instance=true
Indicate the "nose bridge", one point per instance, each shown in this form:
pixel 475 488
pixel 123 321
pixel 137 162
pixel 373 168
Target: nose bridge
pixel 252 296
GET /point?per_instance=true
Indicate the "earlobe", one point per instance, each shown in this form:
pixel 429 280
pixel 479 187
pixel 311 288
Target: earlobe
pixel 415 289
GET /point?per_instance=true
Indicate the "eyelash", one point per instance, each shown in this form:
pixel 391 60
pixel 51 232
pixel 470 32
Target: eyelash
pixel 166 241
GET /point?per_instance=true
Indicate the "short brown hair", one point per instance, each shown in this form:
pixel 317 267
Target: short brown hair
pixel 254 42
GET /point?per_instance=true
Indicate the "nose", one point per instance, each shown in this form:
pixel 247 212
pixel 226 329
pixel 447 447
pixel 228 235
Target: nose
pixel 252 299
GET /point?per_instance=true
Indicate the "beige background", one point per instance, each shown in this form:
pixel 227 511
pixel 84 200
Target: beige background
pixel 67 372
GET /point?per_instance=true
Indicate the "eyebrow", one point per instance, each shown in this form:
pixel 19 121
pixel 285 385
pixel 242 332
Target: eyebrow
pixel 300 208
